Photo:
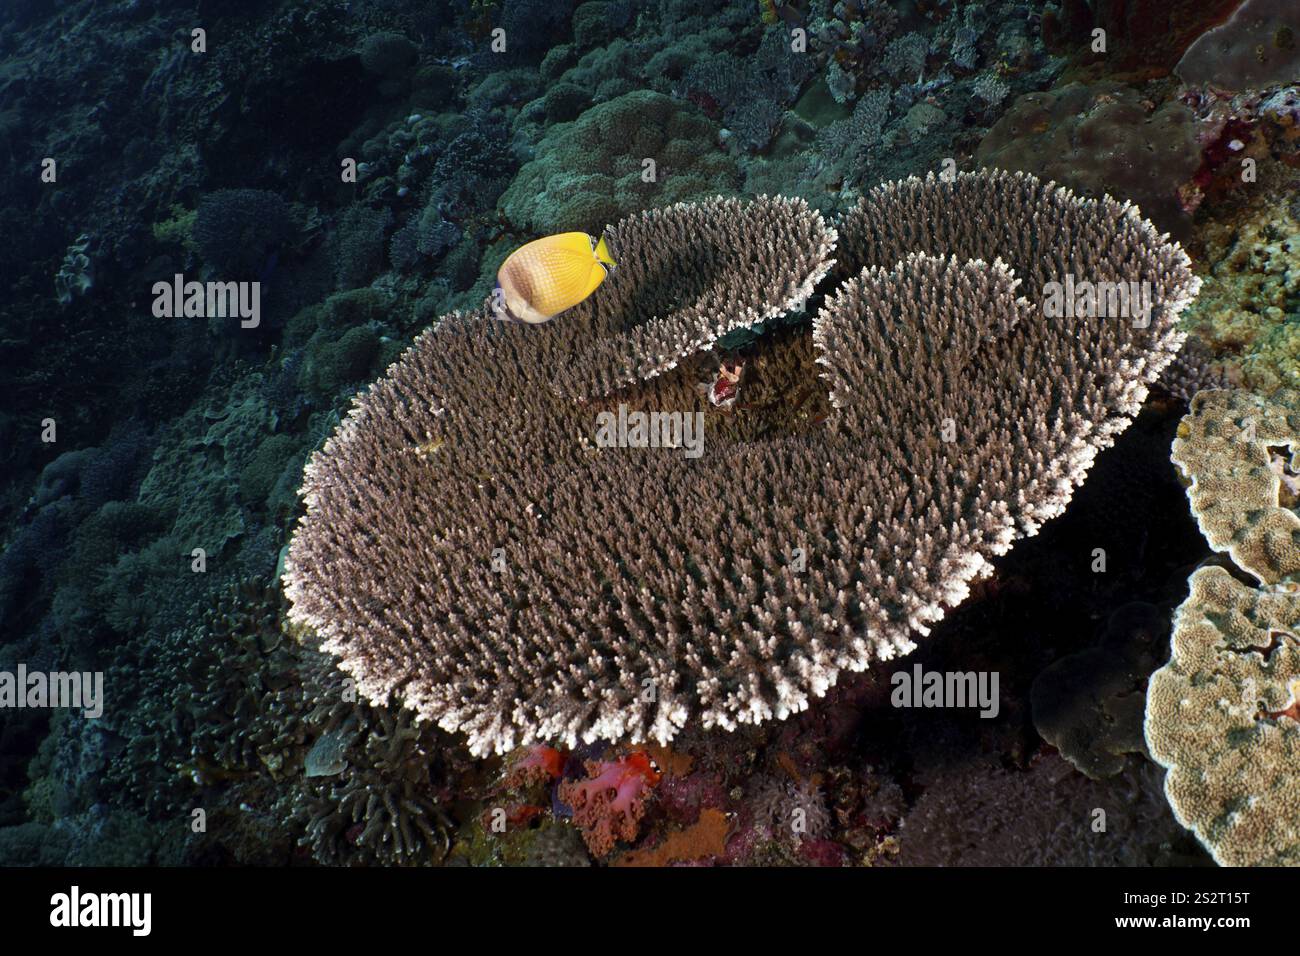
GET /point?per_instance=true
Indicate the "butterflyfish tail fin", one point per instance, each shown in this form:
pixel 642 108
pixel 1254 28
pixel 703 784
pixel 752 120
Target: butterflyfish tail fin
pixel 602 253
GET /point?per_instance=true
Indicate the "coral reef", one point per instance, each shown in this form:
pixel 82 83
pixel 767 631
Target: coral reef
pixel 1222 717
pixel 500 571
pixel 1101 139
pixel 608 804
pixel 1256 47
pixel 396 502
pixel 1240 454
pixel 593 171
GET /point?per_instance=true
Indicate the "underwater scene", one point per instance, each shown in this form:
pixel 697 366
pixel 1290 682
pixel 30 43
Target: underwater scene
pixel 615 433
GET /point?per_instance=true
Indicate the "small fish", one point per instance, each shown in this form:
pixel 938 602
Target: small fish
pixel 540 280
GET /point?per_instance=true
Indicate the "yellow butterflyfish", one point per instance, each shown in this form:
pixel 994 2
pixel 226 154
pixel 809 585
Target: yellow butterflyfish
pixel 541 279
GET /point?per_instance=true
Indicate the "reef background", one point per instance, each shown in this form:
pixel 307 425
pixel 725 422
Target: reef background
pixel 180 433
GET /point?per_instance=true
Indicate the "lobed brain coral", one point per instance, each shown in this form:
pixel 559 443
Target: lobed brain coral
pixel 469 547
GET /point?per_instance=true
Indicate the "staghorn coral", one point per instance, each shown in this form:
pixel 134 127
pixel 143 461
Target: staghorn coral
pixel 467 548
pixel 1241 455
pixel 1222 717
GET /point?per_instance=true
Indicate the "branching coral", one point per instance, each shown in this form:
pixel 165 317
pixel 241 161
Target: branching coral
pixel 380 804
pixel 751 93
pixel 469 548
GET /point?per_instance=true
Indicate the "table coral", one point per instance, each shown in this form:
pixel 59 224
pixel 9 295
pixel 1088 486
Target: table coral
pixel 468 548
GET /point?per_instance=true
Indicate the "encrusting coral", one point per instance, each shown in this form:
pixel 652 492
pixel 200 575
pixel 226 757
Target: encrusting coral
pixel 470 549
pixel 1245 314
pixel 1241 454
pixel 1222 715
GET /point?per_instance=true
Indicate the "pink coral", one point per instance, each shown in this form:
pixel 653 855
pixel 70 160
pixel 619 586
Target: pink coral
pixel 534 764
pixel 609 804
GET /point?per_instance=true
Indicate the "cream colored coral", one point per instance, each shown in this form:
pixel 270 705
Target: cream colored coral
pixel 1240 452
pixel 1222 717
